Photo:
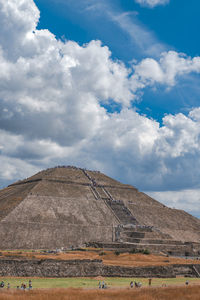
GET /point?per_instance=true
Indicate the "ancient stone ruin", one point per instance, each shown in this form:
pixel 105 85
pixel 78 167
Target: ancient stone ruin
pixel 68 207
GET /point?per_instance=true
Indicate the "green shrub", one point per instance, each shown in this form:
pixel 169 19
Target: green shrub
pixel 146 251
pixel 142 251
pixel 79 249
pixel 133 251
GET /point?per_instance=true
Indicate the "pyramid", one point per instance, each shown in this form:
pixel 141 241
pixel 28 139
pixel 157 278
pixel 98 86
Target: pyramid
pixel 70 207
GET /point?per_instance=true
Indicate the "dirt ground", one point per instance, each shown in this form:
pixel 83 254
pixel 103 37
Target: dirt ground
pixel 163 293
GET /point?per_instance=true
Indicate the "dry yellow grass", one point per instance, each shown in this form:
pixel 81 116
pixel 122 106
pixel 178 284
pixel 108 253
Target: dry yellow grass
pixel 124 259
pixel 139 260
pixel 175 293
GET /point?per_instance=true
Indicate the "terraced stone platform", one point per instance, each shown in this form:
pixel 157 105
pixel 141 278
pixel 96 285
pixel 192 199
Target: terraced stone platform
pixel 69 207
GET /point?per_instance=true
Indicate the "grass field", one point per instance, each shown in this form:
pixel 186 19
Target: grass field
pixel 47 283
pixel 165 293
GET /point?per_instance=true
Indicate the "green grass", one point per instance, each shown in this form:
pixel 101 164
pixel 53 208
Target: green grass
pixel 92 282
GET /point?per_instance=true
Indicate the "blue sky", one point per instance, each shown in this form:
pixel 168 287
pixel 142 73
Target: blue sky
pixel 170 27
pixel 111 85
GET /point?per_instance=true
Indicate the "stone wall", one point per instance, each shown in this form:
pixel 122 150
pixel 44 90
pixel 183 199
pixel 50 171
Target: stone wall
pixel 88 268
pixel 50 268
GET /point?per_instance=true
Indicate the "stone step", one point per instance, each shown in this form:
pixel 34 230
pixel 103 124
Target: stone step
pixel 101 192
pixel 174 249
pixel 122 212
pixel 197 271
pixel 132 234
pixel 137 228
pixel 150 233
pixel 152 241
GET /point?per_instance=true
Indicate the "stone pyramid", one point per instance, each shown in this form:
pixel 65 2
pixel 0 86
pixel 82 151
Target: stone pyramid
pixel 69 207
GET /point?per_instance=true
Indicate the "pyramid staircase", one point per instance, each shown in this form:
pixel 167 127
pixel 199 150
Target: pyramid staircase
pixel 121 212
pixel 129 235
pixel 197 270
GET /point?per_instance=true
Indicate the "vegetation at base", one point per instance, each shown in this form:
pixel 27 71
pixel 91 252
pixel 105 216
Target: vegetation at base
pixel 146 252
pixel 79 249
pixel 122 282
pixel 117 252
pixel 142 251
pixel 102 253
pixel 175 293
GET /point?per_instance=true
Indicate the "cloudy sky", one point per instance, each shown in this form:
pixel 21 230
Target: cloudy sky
pixel 110 85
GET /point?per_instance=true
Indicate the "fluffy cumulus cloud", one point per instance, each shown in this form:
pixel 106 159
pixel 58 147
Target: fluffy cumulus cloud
pixel 53 96
pixel 165 71
pixel 152 3
pixel 151 156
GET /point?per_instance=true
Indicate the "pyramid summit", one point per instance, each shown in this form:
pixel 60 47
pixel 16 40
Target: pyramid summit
pixel 69 207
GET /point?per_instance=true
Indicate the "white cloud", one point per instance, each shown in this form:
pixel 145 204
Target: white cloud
pixel 195 114
pixel 138 38
pixel 62 82
pixel 165 157
pixel 152 3
pixel 15 168
pixel 18 18
pixel 171 66
pixel 144 39
pixel 185 199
